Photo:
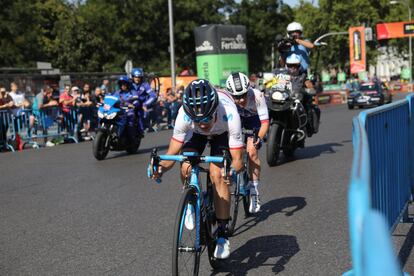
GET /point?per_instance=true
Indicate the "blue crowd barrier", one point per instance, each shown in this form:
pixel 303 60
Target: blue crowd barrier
pixel 5 122
pixel 410 100
pixel 48 122
pixel 21 127
pixel 380 185
pixel 388 133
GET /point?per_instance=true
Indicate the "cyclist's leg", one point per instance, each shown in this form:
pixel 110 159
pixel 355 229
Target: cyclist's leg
pixel 254 165
pixel 221 197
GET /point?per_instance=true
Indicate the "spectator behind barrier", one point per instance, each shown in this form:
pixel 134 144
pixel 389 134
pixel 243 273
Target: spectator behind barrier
pixel 43 101
pixel 97 98
pixel 105 86
pixel 6 103
pixel 66 102
pixel 19 104
pixel 86 108
pixel 19 100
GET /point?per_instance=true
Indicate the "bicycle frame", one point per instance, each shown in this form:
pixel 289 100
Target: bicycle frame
pixel 194 160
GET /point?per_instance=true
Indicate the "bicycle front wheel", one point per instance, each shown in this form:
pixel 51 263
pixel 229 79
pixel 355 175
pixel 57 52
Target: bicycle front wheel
pixel 234 206
pixel 186 257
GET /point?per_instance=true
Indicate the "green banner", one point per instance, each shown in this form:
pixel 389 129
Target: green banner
pixel 341 77
pixel 216 68
pixel 405 73
pixel 325 77
pixel 363 76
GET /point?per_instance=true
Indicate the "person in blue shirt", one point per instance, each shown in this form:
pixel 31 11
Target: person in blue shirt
pixel 300 46
pixel 146 95
pixel 127 98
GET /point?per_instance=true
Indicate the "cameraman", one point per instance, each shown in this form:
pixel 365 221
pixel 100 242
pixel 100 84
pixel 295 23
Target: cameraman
pixel 295 44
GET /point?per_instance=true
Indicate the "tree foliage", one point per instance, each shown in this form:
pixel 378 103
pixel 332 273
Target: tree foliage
pixel 100 35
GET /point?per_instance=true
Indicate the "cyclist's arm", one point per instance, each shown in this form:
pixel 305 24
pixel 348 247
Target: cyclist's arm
pixel 263 113
pixel 263 129
pixel 236 144
pixel 181 128
pixel 173 149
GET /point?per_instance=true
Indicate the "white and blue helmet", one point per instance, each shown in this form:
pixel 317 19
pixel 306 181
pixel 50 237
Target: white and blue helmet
pixel 293 59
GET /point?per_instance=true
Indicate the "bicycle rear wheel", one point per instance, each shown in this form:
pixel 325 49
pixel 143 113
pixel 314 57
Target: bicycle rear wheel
pixel 186 257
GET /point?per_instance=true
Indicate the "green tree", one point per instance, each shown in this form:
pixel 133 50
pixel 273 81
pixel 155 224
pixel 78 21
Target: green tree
pixel 264 19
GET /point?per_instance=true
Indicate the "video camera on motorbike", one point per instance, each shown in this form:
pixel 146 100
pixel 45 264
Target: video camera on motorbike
pixel 284 44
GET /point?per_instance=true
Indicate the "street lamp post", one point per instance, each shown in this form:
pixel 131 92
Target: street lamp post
pixel 409 38
pixel 172 52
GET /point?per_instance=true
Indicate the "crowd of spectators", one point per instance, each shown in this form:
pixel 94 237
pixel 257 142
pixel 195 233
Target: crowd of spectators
pixel 84 101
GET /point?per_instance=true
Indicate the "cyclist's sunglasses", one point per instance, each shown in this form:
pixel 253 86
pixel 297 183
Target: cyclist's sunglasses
pixel 205 120
pixel 239 97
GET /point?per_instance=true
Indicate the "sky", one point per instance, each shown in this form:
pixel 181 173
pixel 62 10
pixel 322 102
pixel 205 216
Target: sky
pixel 293 3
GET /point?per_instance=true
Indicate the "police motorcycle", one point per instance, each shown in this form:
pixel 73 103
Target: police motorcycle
pixel 290 122
pixel 110 115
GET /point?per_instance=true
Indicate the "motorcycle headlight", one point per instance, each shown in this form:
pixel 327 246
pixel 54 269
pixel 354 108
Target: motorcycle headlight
pixel 279 96
pixel 111 116
pixel 100 114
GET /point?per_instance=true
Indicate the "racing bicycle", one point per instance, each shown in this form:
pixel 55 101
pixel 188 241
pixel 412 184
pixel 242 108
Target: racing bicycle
pixel 189 244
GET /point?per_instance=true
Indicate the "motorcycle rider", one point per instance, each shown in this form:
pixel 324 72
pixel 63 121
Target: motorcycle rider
pixel 127 99
pixel 146 95
pixel 299 81
pixel 207 114
pixel 254 115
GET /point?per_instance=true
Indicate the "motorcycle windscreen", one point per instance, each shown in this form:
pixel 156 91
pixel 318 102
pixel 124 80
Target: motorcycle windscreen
pixel 109 104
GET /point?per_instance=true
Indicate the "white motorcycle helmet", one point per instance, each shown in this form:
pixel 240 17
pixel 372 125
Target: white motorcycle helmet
pixel 237 84
pixel 294 26
pixel 293 63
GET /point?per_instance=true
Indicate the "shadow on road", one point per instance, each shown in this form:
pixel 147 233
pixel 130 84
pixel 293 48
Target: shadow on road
pixel 286 205
pixel 274 251
pixel 147 150
pixel 120 154
pixel 407 247
pixel 317 150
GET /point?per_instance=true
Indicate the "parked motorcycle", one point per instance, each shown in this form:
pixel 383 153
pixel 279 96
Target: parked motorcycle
pixel 290 121
pixel 110 115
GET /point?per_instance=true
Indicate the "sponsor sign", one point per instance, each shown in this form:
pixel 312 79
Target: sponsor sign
pixel 395 30
pixel 221 50
pixel 357 49
pixel 216 39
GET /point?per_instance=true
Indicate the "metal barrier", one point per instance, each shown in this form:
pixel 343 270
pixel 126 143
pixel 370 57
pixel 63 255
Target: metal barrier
pixel 29 126
pixel 410 100
pixel 20 127
pixel 388 136
pixel 5 122
pixel 381 179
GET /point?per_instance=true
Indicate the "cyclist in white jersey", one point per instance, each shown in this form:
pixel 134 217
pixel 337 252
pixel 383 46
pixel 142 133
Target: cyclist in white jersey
pixel 208 115
pixel 253 112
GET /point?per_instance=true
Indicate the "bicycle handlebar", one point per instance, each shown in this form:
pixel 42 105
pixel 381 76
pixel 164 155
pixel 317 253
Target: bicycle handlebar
pixel 191 157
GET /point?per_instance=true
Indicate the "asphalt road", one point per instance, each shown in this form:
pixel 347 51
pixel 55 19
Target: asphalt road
pixel 64 213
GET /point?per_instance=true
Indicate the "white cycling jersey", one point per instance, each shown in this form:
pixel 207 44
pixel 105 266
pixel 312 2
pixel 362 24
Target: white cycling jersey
pixel 255 106
pixel 227 119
